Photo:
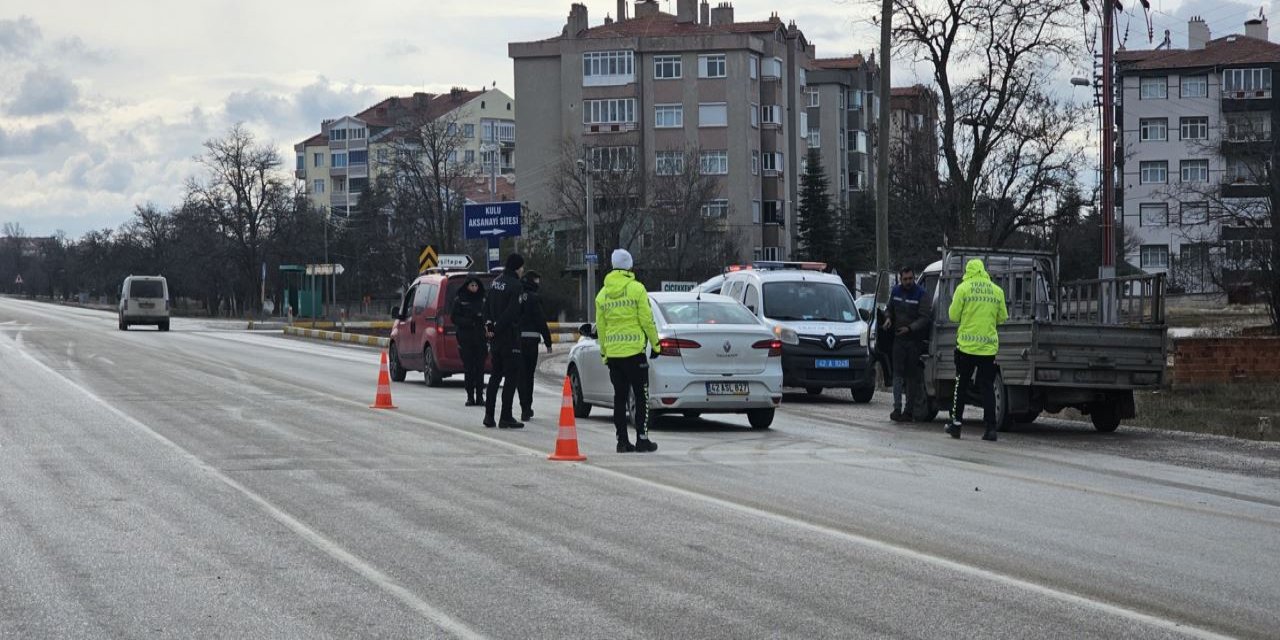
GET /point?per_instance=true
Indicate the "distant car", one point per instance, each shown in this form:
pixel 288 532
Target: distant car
pixel 144 300
pixel 716 358
pixel 423 337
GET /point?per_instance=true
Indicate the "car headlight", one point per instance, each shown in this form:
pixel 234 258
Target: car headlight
pixel 786 335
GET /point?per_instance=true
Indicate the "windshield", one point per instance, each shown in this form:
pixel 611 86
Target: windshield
pixel 813 301
pixel 701 312
pixel 146 289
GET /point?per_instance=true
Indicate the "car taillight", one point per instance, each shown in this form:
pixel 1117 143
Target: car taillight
pixel 774 347
pixel 672 346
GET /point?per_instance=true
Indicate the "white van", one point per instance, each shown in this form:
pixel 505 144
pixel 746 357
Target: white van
pixel 824 336
pixel 144 300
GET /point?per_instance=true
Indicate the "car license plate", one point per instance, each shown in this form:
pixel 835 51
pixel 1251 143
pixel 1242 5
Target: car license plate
pixel 831 364
pixel 728 389
pixel 147 305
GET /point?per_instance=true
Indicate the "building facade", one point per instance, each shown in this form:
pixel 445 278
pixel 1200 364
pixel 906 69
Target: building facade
pixel 1193 123
pixel 340 162
pixel 843 109
pixel 655 84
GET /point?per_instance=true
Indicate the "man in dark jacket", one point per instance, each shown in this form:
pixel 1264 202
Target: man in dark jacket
pixel 502 324
pixel 910 314
pixel 467 314
pixel 533 329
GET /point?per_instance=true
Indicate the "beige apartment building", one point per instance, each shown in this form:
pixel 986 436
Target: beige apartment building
pixel 843 106
pixel 654 84
pixel 339 163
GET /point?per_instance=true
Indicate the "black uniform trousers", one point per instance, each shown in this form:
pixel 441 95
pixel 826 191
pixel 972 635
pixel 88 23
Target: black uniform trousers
pixel 630 376
pixel 508 366
pixel 471 347
pixel 529 362
pixel 985 366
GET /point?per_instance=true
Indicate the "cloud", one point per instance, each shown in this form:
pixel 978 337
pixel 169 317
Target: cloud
pixel 18 37
pixel 39 139
pixel 85 171
pixel 304 108
pixel 43 91
pixel 402 48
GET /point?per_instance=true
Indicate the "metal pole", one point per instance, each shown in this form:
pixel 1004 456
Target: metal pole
pixel 591 250
pixel 326 257
pixel 1108 144
pixel 882 164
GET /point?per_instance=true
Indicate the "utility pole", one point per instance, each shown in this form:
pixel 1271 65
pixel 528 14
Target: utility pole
pixel 590 247
pixel 882 148
pixel 1108 266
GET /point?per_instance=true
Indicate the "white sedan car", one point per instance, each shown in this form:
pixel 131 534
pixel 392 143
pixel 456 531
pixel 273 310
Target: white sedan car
pixel 717 357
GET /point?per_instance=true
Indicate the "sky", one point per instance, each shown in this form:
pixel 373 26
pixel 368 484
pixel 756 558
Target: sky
pixel 105 105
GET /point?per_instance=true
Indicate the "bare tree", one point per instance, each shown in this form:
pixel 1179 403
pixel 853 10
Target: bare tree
pixel 622 214
pixel 1003 134
pixel 429 175
pixel 689 228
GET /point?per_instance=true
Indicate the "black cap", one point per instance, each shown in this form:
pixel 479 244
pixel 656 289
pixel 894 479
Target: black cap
pixel 514 262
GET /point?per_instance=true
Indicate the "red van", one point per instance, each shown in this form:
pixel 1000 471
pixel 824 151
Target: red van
pixel 423 337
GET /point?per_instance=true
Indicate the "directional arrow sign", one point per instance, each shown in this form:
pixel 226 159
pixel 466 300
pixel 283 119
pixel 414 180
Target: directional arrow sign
pixel 456 261
pixel 325 270
pixel 493 232
pixel 491 220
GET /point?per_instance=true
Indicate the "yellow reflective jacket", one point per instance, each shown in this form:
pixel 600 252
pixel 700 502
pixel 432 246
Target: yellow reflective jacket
pixel 624 320
pixel 979 306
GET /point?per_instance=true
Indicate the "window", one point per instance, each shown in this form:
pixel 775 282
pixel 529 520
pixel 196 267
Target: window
pixel 301 164
pixel 673 241
pixel 773 68
pixel 1156 88
pixel 616 111
pixel 755 115
pixel 317 159
pixel 773 162
pixel 858 141
pixel 1153 171
pixel 669 163
pixel 715 163
pixel 338 159
pixel 1155 256
pixel 755 163
pixel 612 158
pixel 337 134
pixel 605 68
pixel 813 98
pixel 755 212
pixel 318 186
pixel 1194 213
pixel 357 134
pixel 1235 81
pixel 1239 170
pixel 774 212
pixel 712 66
pixel 469 156
pixel 358 157
pixel 383 155
pixel 713 115
pixel 668 116
pixel 815 139
pixel 339 185
pixel 666 67
pixel 1196 128
pixel 804 124
pixel 754 63
pixel 1195 170
pixel 468 130
pixel 771 114
pixel 770 253
pixel 718 208
pixel 1154 129
pixel 357 185
pixel 855 99
pixel 1195 86
pixel 1249 127
pixel 1153 214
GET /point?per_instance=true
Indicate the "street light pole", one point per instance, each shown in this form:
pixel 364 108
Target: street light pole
pixel 590 246
pixel 882 160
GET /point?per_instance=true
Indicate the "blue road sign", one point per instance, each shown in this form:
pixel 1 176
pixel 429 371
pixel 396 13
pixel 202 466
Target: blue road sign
pixel 491 221
pixel 592 258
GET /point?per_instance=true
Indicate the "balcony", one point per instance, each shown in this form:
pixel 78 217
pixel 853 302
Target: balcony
pixel 619 127
pixel 300 174
pixel 1244 189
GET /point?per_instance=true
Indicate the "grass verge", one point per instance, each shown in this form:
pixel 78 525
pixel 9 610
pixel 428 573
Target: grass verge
pixel 1232 410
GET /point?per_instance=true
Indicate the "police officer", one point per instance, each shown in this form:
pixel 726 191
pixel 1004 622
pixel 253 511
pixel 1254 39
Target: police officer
pixel 502 321
pixel 909 314
pixel 467 314
pixel 533 329
pixel 979 307
pixel 624 324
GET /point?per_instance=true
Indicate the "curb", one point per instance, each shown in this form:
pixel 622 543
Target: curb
pixel 334 336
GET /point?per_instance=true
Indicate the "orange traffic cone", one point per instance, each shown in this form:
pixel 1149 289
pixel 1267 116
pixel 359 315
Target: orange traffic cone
pixel 567 441
pixel 383 399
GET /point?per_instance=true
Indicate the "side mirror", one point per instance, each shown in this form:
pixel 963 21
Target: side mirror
pixel 395 312
pixel 865 314
pixel 587 330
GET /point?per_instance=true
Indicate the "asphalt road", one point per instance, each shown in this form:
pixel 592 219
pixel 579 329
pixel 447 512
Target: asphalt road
pixel 213 482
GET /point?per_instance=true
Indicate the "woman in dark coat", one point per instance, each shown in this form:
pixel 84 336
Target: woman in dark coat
pixel 468 316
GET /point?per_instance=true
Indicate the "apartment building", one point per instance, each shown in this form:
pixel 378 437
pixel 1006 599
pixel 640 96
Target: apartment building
pixel 339 163
pixel 650 85
pixel 913 125
pixel 1193 122
pixel 843 108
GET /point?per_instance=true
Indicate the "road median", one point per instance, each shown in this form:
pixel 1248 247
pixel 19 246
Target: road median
pixel 337 336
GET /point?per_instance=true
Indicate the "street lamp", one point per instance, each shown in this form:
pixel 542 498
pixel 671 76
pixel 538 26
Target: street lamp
pixel 590 244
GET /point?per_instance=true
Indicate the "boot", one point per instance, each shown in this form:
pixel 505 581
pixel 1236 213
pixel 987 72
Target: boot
pixel 990 435
pixel 953 430
pixel 508 422
pixel 625 446
pixel 897 416
pixel 488 421
pixel 526 415
pixel 479 396
pixel 471 397
pixel 645 445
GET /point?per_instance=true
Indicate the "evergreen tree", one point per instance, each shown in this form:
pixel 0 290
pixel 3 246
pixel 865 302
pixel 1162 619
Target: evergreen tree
pixel 819 232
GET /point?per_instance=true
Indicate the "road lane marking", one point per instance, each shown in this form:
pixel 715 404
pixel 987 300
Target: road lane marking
pixel 330 548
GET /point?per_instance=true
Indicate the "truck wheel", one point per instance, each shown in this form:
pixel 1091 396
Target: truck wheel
pixel 393 365
pixel 1105 416
pixel 1004 421
pixel 760 418
pixel 580 407
pixel 430 369
pixel 863 395
pixel 163 326
pixel 1026 417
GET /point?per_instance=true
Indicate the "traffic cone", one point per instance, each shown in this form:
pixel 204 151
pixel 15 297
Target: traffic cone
pixel 383 399
pixel 567 440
